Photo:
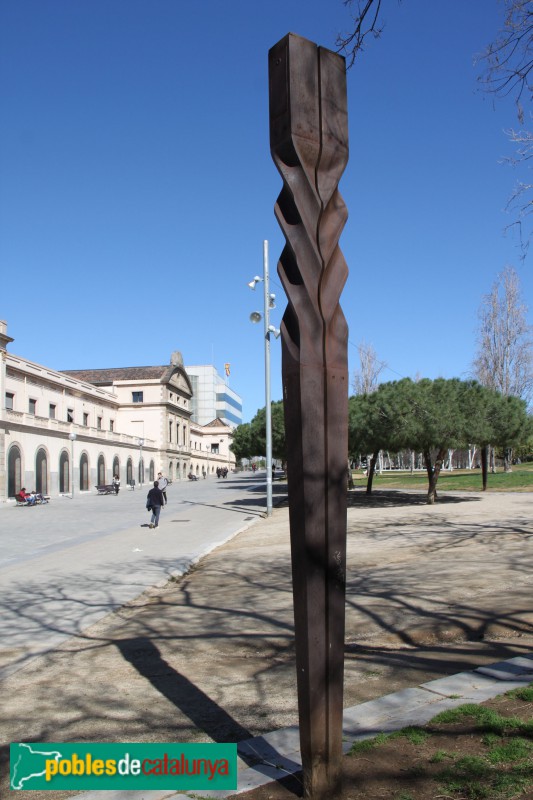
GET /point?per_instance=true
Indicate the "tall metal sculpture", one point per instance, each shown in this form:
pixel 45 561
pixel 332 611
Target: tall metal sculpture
pixel 309 145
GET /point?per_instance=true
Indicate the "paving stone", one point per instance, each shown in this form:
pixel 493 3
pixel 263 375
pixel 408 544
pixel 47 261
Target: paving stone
pixel 515 669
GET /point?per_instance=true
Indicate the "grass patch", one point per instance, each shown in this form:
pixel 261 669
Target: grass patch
pixel 519 480
pixel 513 750
pixel 413 734
pixel 525 693
pixel 365 745
pixel 484 720
pixel 487 752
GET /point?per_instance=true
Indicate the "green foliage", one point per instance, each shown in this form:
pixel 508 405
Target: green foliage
pixel 258 431
pixel 249 439
pixel 242 442
pixel 432 416
pixel 381 420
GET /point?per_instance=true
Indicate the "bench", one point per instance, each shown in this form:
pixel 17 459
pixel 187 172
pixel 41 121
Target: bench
pixel 106 489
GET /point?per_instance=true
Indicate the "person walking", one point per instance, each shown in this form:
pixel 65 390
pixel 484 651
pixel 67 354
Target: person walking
pixel 154 501
pixel 116 484
pixel 162 483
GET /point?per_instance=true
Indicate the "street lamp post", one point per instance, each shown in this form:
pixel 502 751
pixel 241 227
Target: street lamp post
pixel 72 437
pixel 255 317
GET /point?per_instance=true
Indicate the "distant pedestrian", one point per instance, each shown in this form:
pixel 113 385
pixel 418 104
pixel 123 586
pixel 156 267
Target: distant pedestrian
pixel 204 474
pixel 162 483
pixel 116 484
pixel 154 502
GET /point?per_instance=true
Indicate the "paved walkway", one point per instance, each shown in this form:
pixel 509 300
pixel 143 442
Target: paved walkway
pixel 65 565
pixel 431 592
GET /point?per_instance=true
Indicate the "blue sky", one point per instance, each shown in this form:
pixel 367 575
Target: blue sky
pixel 137 183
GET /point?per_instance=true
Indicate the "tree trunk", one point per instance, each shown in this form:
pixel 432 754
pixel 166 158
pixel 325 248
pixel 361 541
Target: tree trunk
pixel 371 470
pixel 433 473
pixel 450 460
pixel 508 459
pixel 350 476
pixel 484 465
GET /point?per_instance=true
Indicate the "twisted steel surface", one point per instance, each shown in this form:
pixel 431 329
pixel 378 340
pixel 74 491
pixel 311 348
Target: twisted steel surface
pixel 309 145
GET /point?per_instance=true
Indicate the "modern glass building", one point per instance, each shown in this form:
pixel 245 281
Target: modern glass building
pixel 212 397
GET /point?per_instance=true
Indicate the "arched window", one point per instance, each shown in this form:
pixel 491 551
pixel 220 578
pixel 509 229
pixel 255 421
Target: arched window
pixel 14 471
pixel 41 472
pixel 116 467
pixel 84 473
pixel 141 471
pixel 171 471
pixel 152 470
pixel 64 472
pixel 101 470
pixel 129 471
pixel 184 469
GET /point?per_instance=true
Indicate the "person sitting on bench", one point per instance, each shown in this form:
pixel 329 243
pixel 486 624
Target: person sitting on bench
pixel 23 497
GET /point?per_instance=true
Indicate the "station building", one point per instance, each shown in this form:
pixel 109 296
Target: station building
pixel 212 397
pixel 68 432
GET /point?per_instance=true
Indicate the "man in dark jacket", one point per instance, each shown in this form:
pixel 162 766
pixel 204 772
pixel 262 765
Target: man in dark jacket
pixel 154 501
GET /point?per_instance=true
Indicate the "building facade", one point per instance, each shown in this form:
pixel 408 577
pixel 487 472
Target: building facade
pixel 213 398
pixel 67 432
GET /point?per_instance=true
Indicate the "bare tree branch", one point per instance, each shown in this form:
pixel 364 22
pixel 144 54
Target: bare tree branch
pixel 507 62
pixel 365 381
pixel 505 345
pixel 353 42
pixel 506 70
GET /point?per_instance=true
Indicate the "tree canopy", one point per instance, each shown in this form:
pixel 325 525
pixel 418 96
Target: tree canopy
pixel 249 439
pixel 431 417
pixel 425 416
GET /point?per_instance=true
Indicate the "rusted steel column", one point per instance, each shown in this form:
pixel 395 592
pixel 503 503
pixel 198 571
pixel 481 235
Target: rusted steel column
pixel 309 145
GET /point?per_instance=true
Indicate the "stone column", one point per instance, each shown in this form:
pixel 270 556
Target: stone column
pixel 4 341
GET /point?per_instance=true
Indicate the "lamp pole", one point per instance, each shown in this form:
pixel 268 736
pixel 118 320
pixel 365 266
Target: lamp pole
pixel 255 316
pixel 268 407
pixel 72 437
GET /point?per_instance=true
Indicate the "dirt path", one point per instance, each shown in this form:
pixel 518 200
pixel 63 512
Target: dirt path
pixel 430 591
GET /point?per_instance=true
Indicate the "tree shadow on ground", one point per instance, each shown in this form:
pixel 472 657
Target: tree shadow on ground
pixel 254 500
pixel 229 623
pixel 389 498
